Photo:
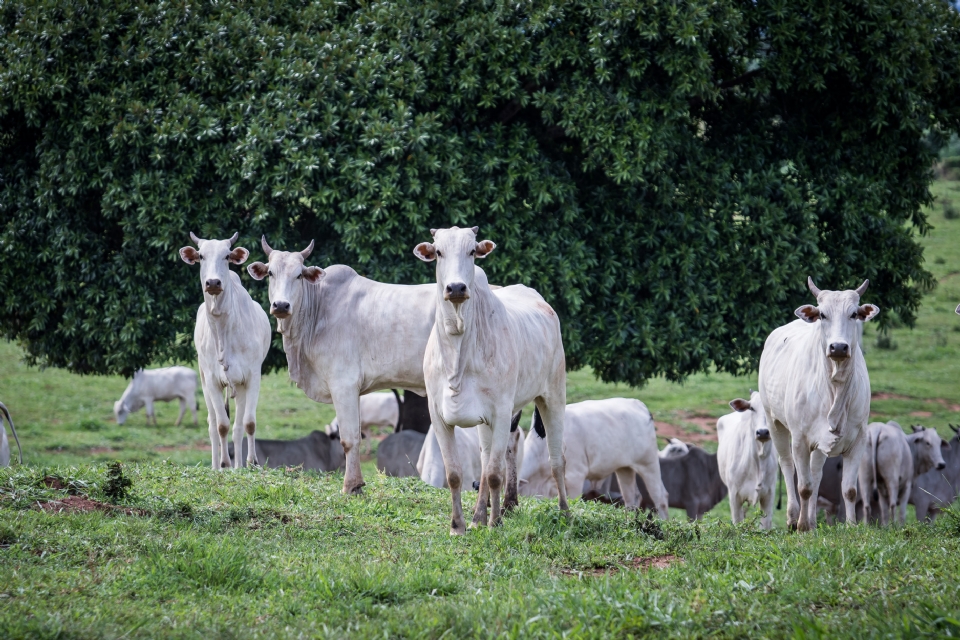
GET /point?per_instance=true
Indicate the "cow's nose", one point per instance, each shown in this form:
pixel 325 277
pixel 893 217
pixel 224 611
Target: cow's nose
pixel 280 308
pixel 941 466
pixel 456 291
pixel 213 283
pixel 839 350
pixel 763 434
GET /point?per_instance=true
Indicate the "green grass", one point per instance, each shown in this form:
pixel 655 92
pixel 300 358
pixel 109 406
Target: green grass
pixel 272 553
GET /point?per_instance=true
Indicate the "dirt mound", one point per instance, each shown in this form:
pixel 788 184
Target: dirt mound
pixel 82 504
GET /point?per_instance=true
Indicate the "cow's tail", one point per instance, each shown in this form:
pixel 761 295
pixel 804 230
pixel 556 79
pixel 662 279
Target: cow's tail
pixel 226 402
pixel 779 487
pixel 515 421
pixel 399 427
pixel 538 423
pixel 873 483
pixel 13 429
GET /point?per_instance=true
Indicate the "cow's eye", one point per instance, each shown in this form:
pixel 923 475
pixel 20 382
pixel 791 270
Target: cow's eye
pixel 270 273
pixel 439 255
pixel 823 316
pixel 853 316
pixel 299 275
pixel 473 252
pixel 199 256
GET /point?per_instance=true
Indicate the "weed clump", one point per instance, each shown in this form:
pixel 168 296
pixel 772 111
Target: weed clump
pixel 118 485
pixel 88 424
pixel 950 212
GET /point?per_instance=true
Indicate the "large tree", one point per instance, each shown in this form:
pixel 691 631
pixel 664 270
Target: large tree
pixel 666 174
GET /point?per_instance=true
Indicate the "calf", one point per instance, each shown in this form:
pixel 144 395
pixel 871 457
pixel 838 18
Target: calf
pixel 692 483
pixel 4 443
pixel 601 437
pixel 490 352
pixel 314 451
pixel 397 455
pixel 376 410
pixel 152 385
pixel 936 489
pixel 232 337
pixel 747 459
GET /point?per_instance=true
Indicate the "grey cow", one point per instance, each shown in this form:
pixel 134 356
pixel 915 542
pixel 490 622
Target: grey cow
pixel 315 451
pixel 692 482
pixel 936 489
pixel 397 455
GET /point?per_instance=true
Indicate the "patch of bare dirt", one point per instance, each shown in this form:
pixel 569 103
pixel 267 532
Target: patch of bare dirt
pixel 184 447
pixel 707 424
pixel 943 402
pixel 54 483
pixel 102 449
pixel 643 564
pixel 920 414
pixel 82 504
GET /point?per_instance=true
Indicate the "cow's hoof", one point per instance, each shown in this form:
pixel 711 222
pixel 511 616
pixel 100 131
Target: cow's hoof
pixel 354 491
pixel 510 506
pixel 224 465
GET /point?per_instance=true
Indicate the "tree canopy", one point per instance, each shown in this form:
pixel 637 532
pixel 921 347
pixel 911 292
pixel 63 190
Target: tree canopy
pixel 665 174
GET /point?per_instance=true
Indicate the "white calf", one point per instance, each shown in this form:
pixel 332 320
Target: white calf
pixel 747 458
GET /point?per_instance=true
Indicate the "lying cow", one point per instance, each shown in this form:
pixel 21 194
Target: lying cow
pixel 892 462
pixel 314 451
pixel 747 458
pixel 4 443
pixel 399 452
pixel 376 410
pixel 936 489
pixel 601 437
pixel 816 391
pixel 163 385
pixel 692 483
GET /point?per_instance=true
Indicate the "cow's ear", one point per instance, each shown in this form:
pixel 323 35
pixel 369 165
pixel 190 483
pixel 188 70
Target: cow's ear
pixel 258 270
pixel 958 310
pixel 313 274
pixel 944 444
pixel 808 313
pixel 425 251
pixel 867 311
pixel 485 248
pixel 189 255
pixel 740 404
pixel 238 256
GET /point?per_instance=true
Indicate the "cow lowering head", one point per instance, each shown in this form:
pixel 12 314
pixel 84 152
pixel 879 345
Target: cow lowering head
pixel 214 257
pixel 838 313
pixel 752 411
pixel 288 276
pixel 927 448
pixel 455 251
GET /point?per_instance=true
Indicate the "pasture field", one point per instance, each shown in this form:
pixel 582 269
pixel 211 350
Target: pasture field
pixel 282 553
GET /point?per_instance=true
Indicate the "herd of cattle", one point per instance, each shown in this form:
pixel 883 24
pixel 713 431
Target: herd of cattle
pixel 480 353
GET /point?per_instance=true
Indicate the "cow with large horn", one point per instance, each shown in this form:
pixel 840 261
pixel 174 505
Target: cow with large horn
pixel 232 337
pixel 816 393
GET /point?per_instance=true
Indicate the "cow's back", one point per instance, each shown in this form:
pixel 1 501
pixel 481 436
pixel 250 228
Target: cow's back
pixel 315 451
pixel 612 433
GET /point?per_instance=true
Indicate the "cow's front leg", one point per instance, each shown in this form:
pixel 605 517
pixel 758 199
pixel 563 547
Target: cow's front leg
pixel 238 428
pixel 451 462
pixel 848 480
pixel 183 410
pixel 249 413
pixel 346 402
pixel 219 423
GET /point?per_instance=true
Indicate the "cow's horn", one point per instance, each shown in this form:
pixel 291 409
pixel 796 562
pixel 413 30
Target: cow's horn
pixel 233 238
pixel 862 289
pixel 475 230
pixel 306 252
pixel 955 428
pixel 813 288
pixel 263 245
pixel 194 238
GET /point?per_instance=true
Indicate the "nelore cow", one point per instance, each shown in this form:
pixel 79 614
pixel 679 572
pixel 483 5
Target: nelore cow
pixel 399 452
pixel 692 483
pixel 892 462
pixel 815 389
pixel 4 443
pixel 163 385
pixel 315 451
pixel 938 488
pixel 346 336
pixel 489 354
pixel 601 437
pixel 232 337
pixel 747 458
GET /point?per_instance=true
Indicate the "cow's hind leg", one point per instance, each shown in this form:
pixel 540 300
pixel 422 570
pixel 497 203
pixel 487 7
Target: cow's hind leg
pixel 494 469
pixel 652 480
pixel 485 433
pixel 510 494
pixel 551 413
pixel 781 440
pixel 183 410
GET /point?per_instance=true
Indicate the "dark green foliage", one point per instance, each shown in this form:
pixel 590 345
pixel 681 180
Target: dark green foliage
pixel 117 485
pixel 665 174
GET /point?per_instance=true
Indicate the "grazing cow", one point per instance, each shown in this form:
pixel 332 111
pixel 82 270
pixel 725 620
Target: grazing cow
pixel 314 451
pixel 891 464
pixel 431 469
pixel 816 392
pixel 4 443
pixel 937 489
pixel 747 459
pixel 692 483
pixel 397 455
pixel 490 352
pixel 232 337
pixel 164 385
pixel 345 336
pixel 601 437
pixel 376 410
pixel 675 448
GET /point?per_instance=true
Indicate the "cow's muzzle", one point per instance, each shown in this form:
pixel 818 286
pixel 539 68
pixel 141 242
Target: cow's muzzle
pixel 838 351
pixel 213 286
pixel 456 292
pixel 763 435
pixel 941 466
pixel 280 309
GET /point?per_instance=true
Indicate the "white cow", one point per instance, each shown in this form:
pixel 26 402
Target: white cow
pixel 816 392
pixel 600 438
pixel 376 410
pixel 430 463
pixel 747 458
pixel 675 448
pixel 490 353
pixel 4 443
pixel 345 336
pixel 164 385
pixel 892 462
pixel 232 337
